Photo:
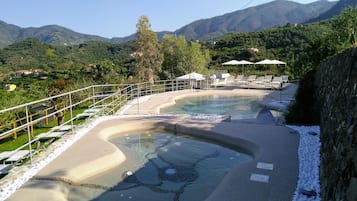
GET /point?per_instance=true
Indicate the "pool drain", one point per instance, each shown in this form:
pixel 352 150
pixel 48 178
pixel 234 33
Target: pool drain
pixel 179 174
pixel 170 171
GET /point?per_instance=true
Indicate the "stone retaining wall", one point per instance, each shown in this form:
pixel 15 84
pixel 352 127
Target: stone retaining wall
pixel 336 81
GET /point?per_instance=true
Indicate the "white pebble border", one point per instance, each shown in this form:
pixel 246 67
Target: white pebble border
pixel 309 163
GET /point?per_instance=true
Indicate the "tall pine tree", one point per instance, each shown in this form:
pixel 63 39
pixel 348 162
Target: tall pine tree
pixel 148 56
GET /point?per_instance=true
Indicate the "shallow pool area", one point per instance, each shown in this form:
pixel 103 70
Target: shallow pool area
pixel 165 166
pixel 238 107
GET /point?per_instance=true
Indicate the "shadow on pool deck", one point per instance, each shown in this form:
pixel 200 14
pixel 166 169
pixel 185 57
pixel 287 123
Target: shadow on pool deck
pixel 274 145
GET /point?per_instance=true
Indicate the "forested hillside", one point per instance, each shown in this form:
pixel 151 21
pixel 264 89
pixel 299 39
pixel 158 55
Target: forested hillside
pixel 31 54
pixel 335 10
pixel 275 13
pixel 51 34
pixel 256 18
pixel 288 43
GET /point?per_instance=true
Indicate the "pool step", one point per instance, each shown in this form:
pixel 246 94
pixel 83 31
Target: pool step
pixel 262 178
pixel 265 117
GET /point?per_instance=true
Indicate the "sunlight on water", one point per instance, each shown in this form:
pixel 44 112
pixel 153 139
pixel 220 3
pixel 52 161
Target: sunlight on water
pixel 237 107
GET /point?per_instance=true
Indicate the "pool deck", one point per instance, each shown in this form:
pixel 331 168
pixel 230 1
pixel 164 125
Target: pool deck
pixel 270 176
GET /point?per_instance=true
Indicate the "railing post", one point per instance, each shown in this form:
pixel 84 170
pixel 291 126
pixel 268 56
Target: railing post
pixel 15 132
pixel 46 119
pixel 31 128
pixel 71 109
pixel 137 98
pixel 28 132
pixel 131 92
pixel 151 88
pixel 112 106
pixel 93 94
pixel 172 85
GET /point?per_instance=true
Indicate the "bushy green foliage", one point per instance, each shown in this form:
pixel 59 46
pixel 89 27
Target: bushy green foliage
pixel 303 110
pixel 182 57
pixel 288 43
pixel 306 109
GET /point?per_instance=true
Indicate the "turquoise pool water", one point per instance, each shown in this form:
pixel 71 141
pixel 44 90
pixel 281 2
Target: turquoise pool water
pixel 237 106
pixel 165 167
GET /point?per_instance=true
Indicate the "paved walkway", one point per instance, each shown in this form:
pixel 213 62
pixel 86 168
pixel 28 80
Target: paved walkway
pixel 270 176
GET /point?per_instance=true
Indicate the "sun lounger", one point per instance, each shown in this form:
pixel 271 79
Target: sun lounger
pixel 17 155
pixel 276 83
pixel 51 135
pixel 239 77
pixel 62 128
pixel 252 78
pixel 93 110
pixel 268 78
pixel 285 78
pixel 259 80
pixel 4 168
pixel 84 115
pixel 243 81
pixel 5 155
pixel 89 112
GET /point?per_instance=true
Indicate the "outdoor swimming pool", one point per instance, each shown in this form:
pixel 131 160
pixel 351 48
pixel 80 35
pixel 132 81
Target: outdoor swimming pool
pixel 164 166
pixel 238 107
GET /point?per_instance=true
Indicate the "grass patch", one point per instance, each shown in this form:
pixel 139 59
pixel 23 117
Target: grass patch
pixel 10 143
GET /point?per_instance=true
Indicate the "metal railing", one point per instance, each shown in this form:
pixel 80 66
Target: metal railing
pixel 82 103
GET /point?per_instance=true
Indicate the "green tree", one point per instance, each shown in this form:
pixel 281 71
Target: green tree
pixel 11 99
pixel 148 58
pixel 181 57
pixel 345 28
pixel 199 58
pixel 170 61
pixel 103 72
pixel 57 87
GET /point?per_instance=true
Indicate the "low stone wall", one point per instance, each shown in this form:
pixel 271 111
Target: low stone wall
pixel 336 81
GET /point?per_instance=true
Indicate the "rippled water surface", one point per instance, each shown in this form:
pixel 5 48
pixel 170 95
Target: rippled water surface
pixel 236 106
pixel 163 166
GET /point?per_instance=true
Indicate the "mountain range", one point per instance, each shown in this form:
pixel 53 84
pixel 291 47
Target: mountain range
pixel 335 10
pixel 275 13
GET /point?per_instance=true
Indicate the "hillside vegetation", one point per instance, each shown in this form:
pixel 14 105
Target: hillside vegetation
pixel 335 10
pixel 275 13
pixel 252 19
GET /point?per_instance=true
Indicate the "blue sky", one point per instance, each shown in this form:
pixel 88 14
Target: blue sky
pixel 117 18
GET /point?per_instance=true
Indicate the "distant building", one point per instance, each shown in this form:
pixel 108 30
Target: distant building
pixel 254 49
pixel 37 70
pixel 19 73
pixel 135 54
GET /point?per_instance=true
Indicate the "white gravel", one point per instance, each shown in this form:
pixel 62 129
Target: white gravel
pixel 309 163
